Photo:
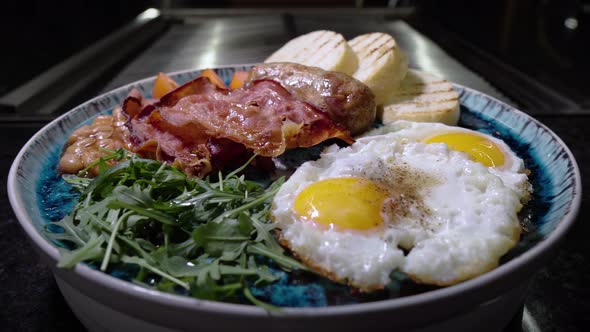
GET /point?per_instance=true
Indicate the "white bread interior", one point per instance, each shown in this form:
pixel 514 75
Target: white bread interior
pixel 422 97
pixel 325 49
pixel 382 64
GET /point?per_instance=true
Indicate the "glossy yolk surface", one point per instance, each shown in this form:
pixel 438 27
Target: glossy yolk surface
pixel 478 147
pixel 344 203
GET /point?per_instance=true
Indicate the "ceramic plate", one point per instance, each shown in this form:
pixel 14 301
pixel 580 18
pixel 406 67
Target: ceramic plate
pixel 38 195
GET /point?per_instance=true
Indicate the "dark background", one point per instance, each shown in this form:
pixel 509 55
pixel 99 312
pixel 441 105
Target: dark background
pixel 39 34
pixel 545 39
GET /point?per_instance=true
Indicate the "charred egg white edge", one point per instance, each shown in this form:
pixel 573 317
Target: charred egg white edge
pixel 455 216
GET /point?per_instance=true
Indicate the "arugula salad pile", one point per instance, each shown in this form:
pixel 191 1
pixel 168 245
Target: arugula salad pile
pixel 208 239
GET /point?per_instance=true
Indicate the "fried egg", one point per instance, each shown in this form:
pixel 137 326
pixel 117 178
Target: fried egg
pixel 485 149
pixel 387 203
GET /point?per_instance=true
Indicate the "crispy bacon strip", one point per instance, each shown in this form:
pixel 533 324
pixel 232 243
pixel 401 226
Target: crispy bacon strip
pixel 136 103
pixel 195 124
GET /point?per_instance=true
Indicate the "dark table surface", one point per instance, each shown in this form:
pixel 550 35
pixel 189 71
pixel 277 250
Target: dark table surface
pixel 559 295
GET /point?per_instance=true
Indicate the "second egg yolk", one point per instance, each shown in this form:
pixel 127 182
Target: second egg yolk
pixel 480 148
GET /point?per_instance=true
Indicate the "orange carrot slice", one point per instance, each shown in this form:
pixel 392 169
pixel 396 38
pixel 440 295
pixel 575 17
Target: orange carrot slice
pixel 214 78
pixel 238 80
pixel 163 85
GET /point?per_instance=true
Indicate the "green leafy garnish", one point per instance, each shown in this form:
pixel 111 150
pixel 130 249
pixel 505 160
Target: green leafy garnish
pixel 102 161
pixel 211 239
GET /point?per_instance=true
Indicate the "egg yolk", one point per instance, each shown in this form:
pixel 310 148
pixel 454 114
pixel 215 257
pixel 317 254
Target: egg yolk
pixel 478 147
pixel 346 203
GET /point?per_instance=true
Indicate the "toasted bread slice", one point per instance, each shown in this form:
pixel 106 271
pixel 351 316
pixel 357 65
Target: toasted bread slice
pixel 422 97
pixel 382 64
pixel 325 49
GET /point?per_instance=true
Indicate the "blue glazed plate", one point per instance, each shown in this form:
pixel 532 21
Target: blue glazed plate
pixel 554 175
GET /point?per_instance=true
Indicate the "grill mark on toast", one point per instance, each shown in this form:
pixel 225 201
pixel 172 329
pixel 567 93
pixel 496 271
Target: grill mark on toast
pixel 424 88
pixel 421 92
pixel 362 43
pixel 300 56
pixel 425 83
pixel 423 103
pixel 419 112
pixel 319 51
pixel 379 37
pixel 424 97
pixel 319 36
pixel 374 48
pixel 325 49
pixel 387 51
pixel 431 95
pixel 379 51
pixel 310 59
pixel 324 43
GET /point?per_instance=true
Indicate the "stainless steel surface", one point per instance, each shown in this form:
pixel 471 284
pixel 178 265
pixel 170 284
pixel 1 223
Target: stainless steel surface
pixel 207 42
pixel 200 41
pixel 54 87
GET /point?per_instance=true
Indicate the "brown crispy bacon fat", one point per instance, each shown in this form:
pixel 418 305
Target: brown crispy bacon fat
pixel 199 127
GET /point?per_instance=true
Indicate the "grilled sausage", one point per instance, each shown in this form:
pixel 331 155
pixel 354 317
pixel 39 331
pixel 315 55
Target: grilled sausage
pixel 345 99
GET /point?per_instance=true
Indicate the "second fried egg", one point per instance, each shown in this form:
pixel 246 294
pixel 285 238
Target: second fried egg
pixel 386 203
pixel 485 149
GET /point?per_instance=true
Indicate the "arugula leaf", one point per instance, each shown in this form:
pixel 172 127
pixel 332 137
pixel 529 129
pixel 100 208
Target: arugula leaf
pixel 70 231
pixel 253 299
pixel 216 238
pixel 287 263
pixel 211 290
pixel 181 267
pixel 143 263
pixel 101 162
pixel 90 250
pixel 263 231
pixel 76 181
pixel 134 195
pixel 209 239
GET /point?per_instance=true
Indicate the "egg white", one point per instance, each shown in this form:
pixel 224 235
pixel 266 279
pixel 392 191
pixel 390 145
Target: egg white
pixel 512 172
pixel 461 220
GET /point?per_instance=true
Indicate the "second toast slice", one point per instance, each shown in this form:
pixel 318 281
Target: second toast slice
pixel 382 64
